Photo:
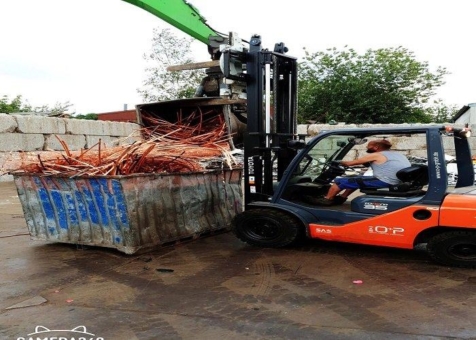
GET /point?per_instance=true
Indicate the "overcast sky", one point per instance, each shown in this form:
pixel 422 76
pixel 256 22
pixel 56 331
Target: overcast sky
pixel 89 52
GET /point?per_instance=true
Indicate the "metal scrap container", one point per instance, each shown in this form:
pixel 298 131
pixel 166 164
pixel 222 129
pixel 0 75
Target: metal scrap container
pixel 170 110
pixel 129 212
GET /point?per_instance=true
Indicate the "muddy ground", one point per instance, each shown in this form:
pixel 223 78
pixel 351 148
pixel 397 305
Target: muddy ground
pixel 220 288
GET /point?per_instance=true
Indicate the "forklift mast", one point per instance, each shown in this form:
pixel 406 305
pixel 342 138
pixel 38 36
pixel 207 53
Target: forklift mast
pixel 271 90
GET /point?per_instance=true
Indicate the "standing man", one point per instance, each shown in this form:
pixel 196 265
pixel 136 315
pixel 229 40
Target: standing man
pixel 384 163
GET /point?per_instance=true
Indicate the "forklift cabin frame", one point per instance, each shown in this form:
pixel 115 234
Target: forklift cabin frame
pixel 437 175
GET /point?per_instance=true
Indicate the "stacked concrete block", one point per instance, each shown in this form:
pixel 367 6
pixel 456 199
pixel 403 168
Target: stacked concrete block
pixel 73 142
pixel 408 143
pixel 410 146
pixel 472 143
pixel 21 142
pixel 37 134
pixel 37 124
pixel 302 130
pixel 120 129
pixel 107 141
pixel 85 127
pixel 7 123
pixel 351 155
pixel 33 133
pixel 133 137
pixel 12 140
pixel 421 153
pixel 449 143
pixel 127 133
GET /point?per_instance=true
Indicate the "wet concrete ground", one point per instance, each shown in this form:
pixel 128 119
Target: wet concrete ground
pixel 220 288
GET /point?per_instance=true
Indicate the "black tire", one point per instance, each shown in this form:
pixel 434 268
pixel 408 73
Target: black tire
pixel 454 248
pixel 267 228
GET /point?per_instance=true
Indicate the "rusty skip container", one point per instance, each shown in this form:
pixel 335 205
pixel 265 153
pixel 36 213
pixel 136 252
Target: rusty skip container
pixel 131 212
pixel 231 110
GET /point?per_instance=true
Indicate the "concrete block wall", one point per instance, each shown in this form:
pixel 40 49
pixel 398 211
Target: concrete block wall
pixel 35 134
pixel 411 146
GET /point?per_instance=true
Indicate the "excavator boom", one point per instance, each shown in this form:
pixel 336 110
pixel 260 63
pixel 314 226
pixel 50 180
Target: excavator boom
pixel 180 14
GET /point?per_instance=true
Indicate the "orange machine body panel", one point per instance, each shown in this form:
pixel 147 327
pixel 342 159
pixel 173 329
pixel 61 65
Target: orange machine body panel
pixel 459 210
pixel 395 229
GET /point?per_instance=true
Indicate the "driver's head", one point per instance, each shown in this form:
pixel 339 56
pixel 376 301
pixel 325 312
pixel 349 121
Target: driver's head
pixel 378 145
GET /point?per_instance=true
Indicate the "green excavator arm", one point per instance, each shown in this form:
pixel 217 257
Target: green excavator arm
pixel 180 14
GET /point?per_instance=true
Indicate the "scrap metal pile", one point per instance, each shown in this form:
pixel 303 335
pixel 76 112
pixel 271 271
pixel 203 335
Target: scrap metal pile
pixel 190 144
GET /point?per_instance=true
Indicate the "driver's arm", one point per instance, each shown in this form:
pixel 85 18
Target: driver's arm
pixel 373 157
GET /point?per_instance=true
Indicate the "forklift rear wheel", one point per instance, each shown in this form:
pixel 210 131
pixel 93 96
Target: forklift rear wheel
pixel 454 248
pixel 267 228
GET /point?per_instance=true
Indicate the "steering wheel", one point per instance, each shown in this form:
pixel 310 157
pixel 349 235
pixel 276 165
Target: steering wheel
pixel 330 170
pixel 333 169
pixel 337 167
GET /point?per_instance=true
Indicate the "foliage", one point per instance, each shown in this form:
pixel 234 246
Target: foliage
pixel 160 84
pixel 18 105
pixel 12 106
pixel 57 109
pixel 380 86
pixel 442 113
pixel 88 116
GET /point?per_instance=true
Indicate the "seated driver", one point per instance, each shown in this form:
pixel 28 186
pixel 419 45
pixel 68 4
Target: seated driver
pixel 384 163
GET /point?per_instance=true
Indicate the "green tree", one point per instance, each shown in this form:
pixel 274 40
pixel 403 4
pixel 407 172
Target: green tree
pixel 18 105
pixel 88 116
pixel 442 113
pixel 160 84
pixel 14 105
pixel 380 86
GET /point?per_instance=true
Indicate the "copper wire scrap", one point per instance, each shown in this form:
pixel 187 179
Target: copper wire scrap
pixel 169 147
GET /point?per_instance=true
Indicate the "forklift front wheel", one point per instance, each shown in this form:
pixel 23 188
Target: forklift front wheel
pixel 454 248
pixel 267 228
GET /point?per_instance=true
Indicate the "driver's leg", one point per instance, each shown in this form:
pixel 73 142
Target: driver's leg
pixel 333 191
pixel 347 193
pixel 346 184
pixel 339 199
pixel 338 185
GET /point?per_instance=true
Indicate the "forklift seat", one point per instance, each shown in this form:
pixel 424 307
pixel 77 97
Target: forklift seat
pixel 412 179
pixel 383 200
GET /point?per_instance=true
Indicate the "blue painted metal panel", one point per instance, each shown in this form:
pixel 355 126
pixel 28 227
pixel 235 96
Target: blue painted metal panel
pixel 129 212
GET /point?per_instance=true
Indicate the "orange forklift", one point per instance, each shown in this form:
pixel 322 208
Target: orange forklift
pixel 281 172
pixel 422 209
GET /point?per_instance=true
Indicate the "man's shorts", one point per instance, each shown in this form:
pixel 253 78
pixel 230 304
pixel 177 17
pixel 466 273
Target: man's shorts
pixel 356 182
